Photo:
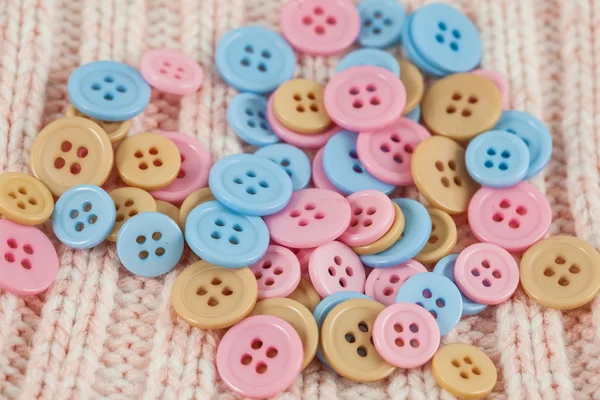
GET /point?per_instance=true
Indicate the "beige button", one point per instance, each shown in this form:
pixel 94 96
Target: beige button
pixel 464 370
pixel 346 341
pixel 441 240
pixel 71 151
pixel 24 199
pixel 296 315
pixel 211 297
pixel 193 200
pixel 561 272
pixel 169 210
pixel 462 106
pixel 412 79
pixel 298 105
pixel 128 203
pixel 148 161
pixel 387 240
pixel 116 131
pixel 306 295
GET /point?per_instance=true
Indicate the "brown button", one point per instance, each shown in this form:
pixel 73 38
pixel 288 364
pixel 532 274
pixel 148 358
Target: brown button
pixel 439 171
pixel 441 240
pixel 129 202
pixel 298 105
pixel 464 370
pixel 192 201
pixel 116 131
pixel 71 151
pixel 211 297
pixel 306 295
pixel 412 79
pixel 24 199
pixel 561 272
pixel 169 210
pixel 346 341
pixel 387 240
pixel 462 106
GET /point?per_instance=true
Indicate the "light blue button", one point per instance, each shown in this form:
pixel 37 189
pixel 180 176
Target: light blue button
pixel 497 159
pixel 247 116
pixel 150 244
pixel 415 114
pixel 375 57
pixel 83 216
pixel 435 293
pixel 294 162
pixel 108 90
pixel 380 22
pixel 225 238
pixel 254 59
pixel 248 184
pixel 417 228
pixel 414 55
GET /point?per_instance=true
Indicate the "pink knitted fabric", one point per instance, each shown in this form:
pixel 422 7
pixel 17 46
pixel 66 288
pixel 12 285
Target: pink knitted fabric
pixel 99 332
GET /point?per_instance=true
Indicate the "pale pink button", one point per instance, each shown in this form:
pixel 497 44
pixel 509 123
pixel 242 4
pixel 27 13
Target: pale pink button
pixel 514 218
pixel 335 267
pixel 303 256
pixel 386 153
pixel 365 98
pixel 383 283
pixel 28 261
pixel 498 80
pixel 171 71
pixel 320 180
pixel 406 335
pixel 277 273
pixel 260 356
pixel 372 216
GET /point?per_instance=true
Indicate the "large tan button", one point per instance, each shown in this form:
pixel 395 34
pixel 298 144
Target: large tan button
pixel 24 199
pixel 463 370
pixel 192 201
pixel 116 131
pixel 211 297
pixel 387 240
pixel 346 341
pixel 71 151
pixel 169 210
pixel 148 161
pixel 296 315
pixel 561 272
pixel 439 171
pixel 298 105
pixel 128 203
pixel 412 79
pixel 306 295
pixel 462 106
pixel 441 240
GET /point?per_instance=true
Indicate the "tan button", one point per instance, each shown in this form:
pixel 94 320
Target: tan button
pixel 211 297
pixel 412 79
pixel 299 317
pixel 71 151
pixel 192 201
pixel 561 272
pixel 24 199
pixel 148 161
pixel 298 105
pixel 439 171
pixel 462 106
pixel 387 240
pixel 306 295
pixel 346 341
pixel 129 202
pixel 441 240
pixel 463 370
pixel 169 210
pixel 116 131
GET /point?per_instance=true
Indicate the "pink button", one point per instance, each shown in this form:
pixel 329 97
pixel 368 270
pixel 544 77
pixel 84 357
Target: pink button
pixel 193 174
pixel 372 216
pixel 171 71
pixel 383 283
pixel 386 153
pixel 320 27
pixel 499 81
pixel 335 267
pixel 406 335
pixel 514 218
pixel 277 273
pixel 319 178
pixel 365 98
pixel 303 256
pixel 28 263
pixel 312 217
pixel 260 356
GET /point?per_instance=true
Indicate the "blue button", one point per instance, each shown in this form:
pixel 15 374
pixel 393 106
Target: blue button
pixel 375 57
pixel 497 159
pixel 83 216
pixel 254 59
pixel 415 114
pixel 380 22
pixel 435 293
pixel 150 244
pixel 344 169
pixel 417 228
pixel 108 90
pixel 446 267
pixel 294 162
pixel 535 135
pixel 225 238
pixel 414 55
pixel 247 116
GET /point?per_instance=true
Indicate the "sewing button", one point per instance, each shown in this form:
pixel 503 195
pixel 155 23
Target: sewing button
pixel 129 202
pixel 334 267
pixel 169 210
pixel 195 198
pixel 306 294
pixel 277 272
pixel 374 57
pixel 413 53
pixel 294 162
pixel 499 81
pixel 442 239
pixel 372 217
pixel 415 115
pixel 115 130
pixel 298 105
pixel 383 283
pixel 24 199
pixel 414 85
pixel 319 179
pixel 171 71
pixel 247 117
pixel 381 23
pixel 303 256
pixel 387 240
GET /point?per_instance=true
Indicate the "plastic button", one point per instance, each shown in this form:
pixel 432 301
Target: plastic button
pixel 498 80
pixel 372 217
pixel 247 116
pixel 171 71
pixel 374 57
pixel 414 85
pixel 277 272
pixel 319 179
pixel 169 210
pixel 334 267
pixel 387 240
pixel 128 203
pixel 24 199
pixel 195 198
pixel 298 105
pixel 383 283
pixel 413 53
pixel 442 239
pixel 306 294
pixel 294 162
pixel 115 130
pixel 381 23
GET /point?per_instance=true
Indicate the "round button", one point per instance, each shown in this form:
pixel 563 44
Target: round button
pixel 169 210
pixel 71 151
pixel 254 59
pixel 171 71
pixel 128 203
pixel 374 57
pixel 298 105
pixel 247 116
pixel 387 240
pixel 372 217
pixel 294 162
pixel 414 85
pixel 414 55
pixel 196 198
pixel 334 267
pixel 24 199
pixel 381 23
pixel 306 294
pixel 115 130
pixel 277 272
pixel 442 238
pixel 303 256
pixel 415 115
pixel 108 90
pixel 499 80
pixel 319 179
pixel 383 283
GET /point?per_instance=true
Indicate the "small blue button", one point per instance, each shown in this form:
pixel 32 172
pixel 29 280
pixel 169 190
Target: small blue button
pixel 254 59
pixel 414 55
pixel 108 90
pixel 375 57
pixel 294 162
pixel 415 114
pixel 247 116
pixel 380 22
pixel 225 238
pixel 150 244
pixel 83 216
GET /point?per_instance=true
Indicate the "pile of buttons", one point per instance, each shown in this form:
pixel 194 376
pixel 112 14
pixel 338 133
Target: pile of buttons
pixel 339 271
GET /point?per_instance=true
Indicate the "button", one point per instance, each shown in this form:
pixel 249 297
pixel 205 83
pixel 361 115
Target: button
pixel 365 98
pixel 29 263
pixel 303 256
pixel 319 179
pixel 211 297
pixel 115 130
pixel 374 57
pixel 24 199
pixel 513 218
pixel 312 217
pixel 414 55
pixel 561 272
pixel 294 162
pixel 71 151
pixel 171 71
pixel 439 172
pixel 128 203
pixel 415 114
pixel 380 23
pixel 247 117
pixel 277 272
pixel 196 198
pixel 414 85
pixel 383 283
pixel 318 27
pixel 334 267
pixel 499 80
pixel 254 59
pixel 372 217
pixel 259 357
pixel 387 240
pixel 306 294
pixel 298 105
pixel 441 240
pixel 108 90
pixel 169 210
